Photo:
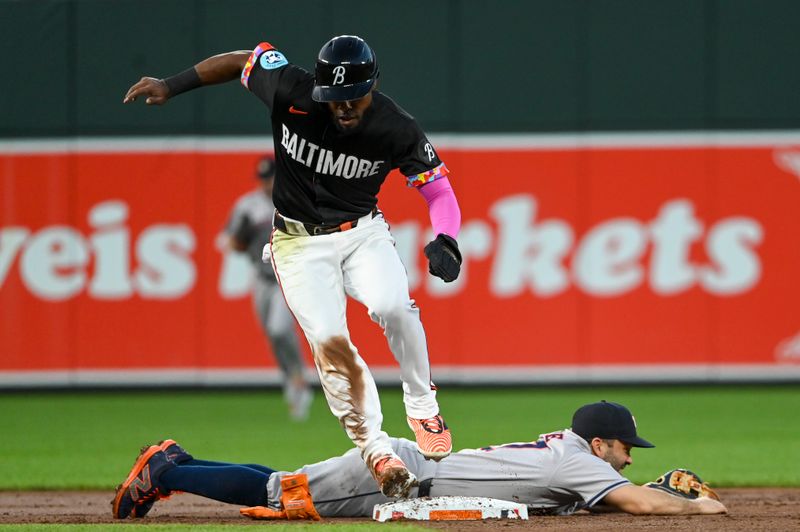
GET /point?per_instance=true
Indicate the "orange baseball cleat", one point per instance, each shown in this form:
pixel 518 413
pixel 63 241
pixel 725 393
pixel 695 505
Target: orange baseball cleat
pixel 433 437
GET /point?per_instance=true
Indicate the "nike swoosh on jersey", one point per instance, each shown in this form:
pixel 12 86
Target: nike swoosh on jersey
pixel 295 111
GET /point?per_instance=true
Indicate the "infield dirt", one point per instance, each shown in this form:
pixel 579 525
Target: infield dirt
pixel 750 509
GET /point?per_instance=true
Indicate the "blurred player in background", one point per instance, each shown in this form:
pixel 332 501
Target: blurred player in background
pixel 248 230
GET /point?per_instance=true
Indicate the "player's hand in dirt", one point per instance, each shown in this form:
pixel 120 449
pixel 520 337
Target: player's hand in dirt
pixel 154 89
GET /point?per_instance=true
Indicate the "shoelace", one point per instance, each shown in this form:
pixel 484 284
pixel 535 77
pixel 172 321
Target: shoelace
pixel 148 496
pixel 433 424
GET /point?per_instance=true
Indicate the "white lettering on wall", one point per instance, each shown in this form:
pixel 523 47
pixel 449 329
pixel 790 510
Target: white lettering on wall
pixel 736 265
pixel 522 253
pixel 610 259
pixel 166 268
pixel 607 260
pixel 11 241
pixel 528 254
pixel 111 245
pixel 54 263
pixel 673 232
pixel 58 262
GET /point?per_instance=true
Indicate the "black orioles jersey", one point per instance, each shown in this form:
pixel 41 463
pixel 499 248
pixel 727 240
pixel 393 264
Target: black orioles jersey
pixel 324 175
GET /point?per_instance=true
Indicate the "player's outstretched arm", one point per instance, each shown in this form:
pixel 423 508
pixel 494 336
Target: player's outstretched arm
pixel 640 500
pixel 216 69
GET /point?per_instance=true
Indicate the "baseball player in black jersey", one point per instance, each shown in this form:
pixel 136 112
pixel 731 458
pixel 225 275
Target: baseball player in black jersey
pixel 336 139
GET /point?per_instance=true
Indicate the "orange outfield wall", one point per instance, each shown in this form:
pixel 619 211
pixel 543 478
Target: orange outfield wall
pixel 573 256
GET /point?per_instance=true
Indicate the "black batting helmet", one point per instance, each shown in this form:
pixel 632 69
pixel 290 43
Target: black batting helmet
pixel 346 70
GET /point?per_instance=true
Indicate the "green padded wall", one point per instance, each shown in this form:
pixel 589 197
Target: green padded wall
pixel 457 65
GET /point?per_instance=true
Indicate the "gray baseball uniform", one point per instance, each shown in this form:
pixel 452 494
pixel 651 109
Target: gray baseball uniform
pixel 555 474
pixel 251 224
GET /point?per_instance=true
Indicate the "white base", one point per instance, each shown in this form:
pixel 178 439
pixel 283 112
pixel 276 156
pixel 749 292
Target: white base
pixel 449 509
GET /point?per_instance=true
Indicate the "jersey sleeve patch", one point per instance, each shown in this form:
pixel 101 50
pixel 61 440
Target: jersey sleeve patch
pixel 251 61
pixel 426 177
pixel 272 59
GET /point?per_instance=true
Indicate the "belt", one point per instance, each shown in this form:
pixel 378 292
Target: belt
pixel 297 228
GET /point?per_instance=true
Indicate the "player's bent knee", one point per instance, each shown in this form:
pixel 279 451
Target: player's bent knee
pixel 396 312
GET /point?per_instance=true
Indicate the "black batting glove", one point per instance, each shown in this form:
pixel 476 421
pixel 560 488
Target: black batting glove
pixel 444 259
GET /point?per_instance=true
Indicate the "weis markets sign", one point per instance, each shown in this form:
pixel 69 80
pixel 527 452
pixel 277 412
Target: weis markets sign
pixel 603 257
pixel 542 257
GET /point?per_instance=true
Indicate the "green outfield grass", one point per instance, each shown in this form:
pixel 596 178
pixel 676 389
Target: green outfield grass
pixel 732 436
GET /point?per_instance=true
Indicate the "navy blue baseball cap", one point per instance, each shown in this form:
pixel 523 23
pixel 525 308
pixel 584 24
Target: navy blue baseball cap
pixel 609 421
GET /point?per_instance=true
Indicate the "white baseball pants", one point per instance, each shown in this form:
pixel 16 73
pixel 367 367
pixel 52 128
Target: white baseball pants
pixel 316 273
